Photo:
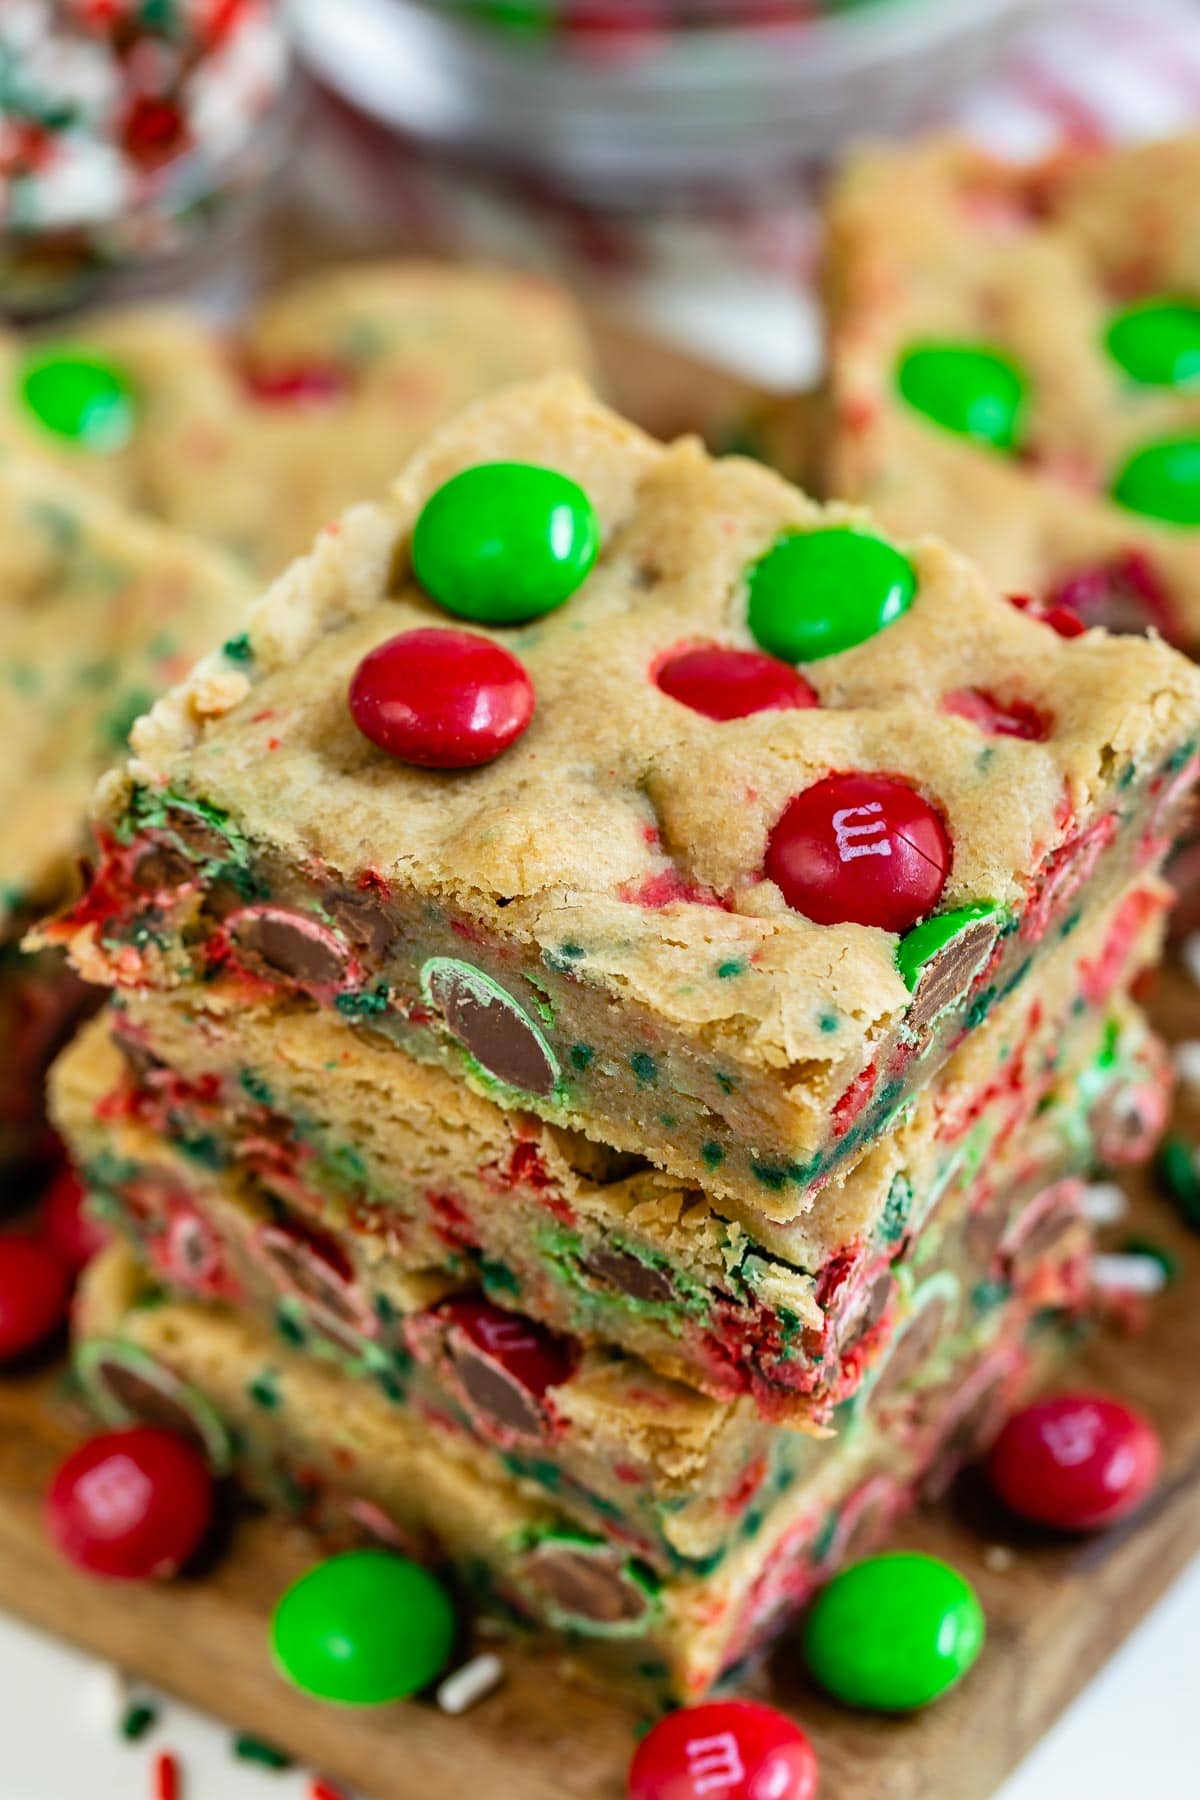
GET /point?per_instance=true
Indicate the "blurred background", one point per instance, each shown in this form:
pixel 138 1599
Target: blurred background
pixel 664 154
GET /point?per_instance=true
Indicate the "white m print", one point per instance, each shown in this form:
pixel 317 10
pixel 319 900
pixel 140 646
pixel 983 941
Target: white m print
pixel 714 1763
pixel 843 831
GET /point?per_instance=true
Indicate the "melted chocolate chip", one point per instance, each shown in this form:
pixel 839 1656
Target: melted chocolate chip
pixel 306 1272
pixel 629 1275
pixel 494 1393
pixel 279 943
pixel 911 1349
pixel 948 975
pixel 363 921
pixel 983 1233
pixel 867 1310
pixel 1048 1232
pixel 489 1023
pixel 143 1399
pixel 592 1587
pixel 161 867
pixel 222 900
pixel 204 842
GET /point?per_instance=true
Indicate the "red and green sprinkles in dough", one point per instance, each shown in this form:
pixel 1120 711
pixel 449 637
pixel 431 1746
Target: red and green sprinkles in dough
pixel 79 397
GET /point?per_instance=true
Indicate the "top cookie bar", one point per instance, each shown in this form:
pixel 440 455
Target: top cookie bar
pixel 1015 363
pixel 256 441
pixel 702 907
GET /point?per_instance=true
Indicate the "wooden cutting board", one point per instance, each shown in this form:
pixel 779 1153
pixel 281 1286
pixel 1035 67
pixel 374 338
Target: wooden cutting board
pixel 1055 1611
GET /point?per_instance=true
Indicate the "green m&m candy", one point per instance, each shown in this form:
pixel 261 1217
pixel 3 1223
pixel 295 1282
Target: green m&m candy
pixel 505 542
pixel 364 1629
pixel 969 389
pixel 894 1632
pixel 1162 481
pixel 1158 343
pixel 817 592
pixel 79 396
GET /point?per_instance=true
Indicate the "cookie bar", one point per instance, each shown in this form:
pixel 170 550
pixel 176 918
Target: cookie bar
pixel 1013 362
pixel 255 442
pixel 339 1455
pixel 734 945
pixel 99 611
pixel 408 1171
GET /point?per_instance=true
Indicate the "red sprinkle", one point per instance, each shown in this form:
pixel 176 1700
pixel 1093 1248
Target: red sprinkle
pixel 325 1790
pixel 168 1784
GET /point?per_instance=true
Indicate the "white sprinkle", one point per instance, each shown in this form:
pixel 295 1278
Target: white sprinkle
pixel 1186 1057
pixel 106 1696
pixel 1128 1274
pixel 469 1684
pixel 1104 1203
pixel 998 1558
pixel 1190 952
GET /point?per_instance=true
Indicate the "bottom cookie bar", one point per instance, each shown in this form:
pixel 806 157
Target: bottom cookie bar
pixel 339 1455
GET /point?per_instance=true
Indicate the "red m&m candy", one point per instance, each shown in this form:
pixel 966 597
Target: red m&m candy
pixel 66 1224
pixel 442 699
pixel 131 1505
pixel 723 683
pixel 726 1750
pixel 862 850
pixel 505 1364
pixel 999 718
pixel 298 383
pixel 35 1286
pixel 1077 1462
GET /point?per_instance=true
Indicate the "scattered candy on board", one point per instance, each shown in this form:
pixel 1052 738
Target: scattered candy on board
pixel 364 1629
pixel 1077 1462
pixel 131 1505
pixel 894 1632
pixel 35 1288
pixel 729 1749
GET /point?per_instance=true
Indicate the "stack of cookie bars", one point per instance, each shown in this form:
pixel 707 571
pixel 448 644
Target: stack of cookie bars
pixel 631 1171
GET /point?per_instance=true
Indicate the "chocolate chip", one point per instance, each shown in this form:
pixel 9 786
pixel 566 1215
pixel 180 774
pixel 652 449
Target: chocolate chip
pixel 145 1400
pixel 324 1279
pixel 866 1309
pixel 963 1438
pixel 629 1275
pixel 495 1394
pixel 1050 1231
pixel 288 944
pixel 203 842
pixel 947 976
pixel 911 1349
pixel 160 867
pixel 363 921
pixel 222 900
pixel 586 1586
pixel 1125 1122
pixel 983 1233
pixel 140 1061
pixel 488 1023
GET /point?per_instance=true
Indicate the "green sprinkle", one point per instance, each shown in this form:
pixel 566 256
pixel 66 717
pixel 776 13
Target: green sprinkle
pixel 573 951
pixel 712 1154
pixel 644 1067
pixel 263 1391
pixel 726 970
pixel 138 1718
pixel 253 1750
pixel 367 1004
pixel 726 1083
pixel 581 1056
pixel 238 649
pixel 829 1022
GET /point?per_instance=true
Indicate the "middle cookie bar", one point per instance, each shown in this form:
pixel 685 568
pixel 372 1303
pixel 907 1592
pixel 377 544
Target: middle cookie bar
pixel 358 1172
